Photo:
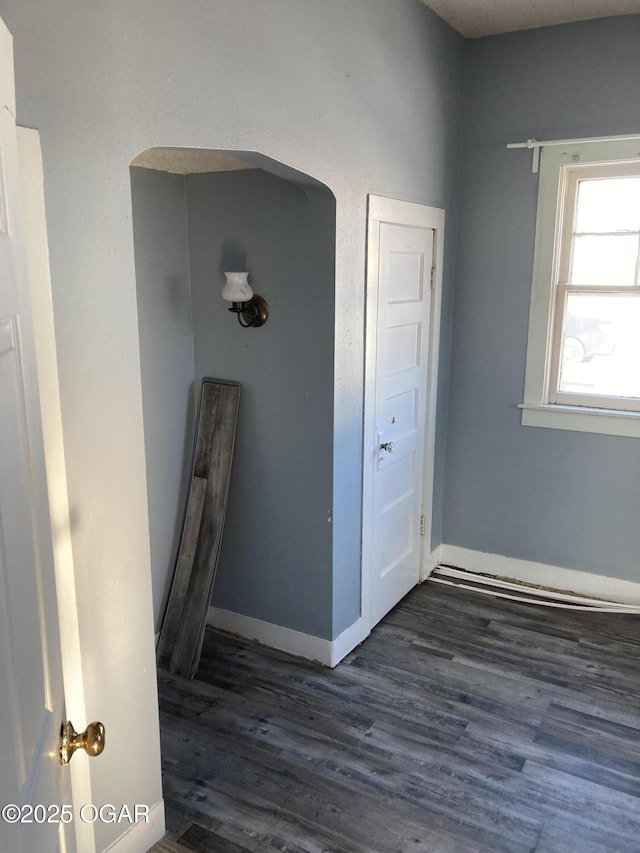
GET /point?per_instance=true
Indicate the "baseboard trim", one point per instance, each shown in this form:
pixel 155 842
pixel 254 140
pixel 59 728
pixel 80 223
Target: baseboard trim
pixel 348 640
pixel 554 577
pixel 429 564
pixel 326 652
pixel 142 835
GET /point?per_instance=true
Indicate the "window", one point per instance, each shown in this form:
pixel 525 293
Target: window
pixel 583 356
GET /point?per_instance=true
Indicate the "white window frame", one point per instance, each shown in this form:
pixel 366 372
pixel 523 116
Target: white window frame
pixel 558 164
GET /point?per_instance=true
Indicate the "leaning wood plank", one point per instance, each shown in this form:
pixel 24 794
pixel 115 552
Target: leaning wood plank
pixel 186 555
pixel 185 618
pixel 215 457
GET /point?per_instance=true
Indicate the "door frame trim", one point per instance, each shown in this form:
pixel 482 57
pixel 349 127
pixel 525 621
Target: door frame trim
pixel 396 212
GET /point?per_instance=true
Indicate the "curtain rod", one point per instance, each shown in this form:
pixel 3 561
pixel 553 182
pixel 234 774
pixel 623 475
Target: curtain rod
pixel 535 144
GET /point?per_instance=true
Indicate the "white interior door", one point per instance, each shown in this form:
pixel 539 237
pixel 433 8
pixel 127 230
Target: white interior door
pixel 33 785
pixel 402 279
pixel 404 302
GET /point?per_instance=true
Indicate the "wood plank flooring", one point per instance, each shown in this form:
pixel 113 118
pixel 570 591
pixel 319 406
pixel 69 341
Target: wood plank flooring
pixel 463 724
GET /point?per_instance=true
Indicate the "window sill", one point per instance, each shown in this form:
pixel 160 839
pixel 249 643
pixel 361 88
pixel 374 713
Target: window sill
pixel 581 419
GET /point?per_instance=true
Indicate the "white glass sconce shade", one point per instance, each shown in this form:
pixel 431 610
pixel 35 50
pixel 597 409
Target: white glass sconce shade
pixel 237 288
pixel 251 310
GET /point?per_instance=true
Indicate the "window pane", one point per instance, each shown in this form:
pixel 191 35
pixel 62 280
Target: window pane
pixel 601 346
pixel 604 260
pixel 608 204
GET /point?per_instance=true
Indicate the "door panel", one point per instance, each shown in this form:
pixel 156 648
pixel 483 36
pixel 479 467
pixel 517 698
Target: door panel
pixel 400 413
pixel 402 347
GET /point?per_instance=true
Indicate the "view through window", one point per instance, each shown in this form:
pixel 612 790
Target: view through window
pixel 596 346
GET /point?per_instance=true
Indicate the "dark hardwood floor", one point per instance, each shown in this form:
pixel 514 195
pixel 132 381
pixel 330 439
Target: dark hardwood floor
pixel 464 723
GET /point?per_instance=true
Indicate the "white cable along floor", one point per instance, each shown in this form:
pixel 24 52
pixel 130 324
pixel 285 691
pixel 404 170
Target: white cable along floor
pixel 528 594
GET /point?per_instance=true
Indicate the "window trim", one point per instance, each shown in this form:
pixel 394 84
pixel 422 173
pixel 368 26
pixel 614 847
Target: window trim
pixel 537 410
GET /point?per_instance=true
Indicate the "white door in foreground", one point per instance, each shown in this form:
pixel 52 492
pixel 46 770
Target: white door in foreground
pixel 33 785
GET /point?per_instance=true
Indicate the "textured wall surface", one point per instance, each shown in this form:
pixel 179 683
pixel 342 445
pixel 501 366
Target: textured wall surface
pixel 159 218
pixel 555 497
pixel 275 562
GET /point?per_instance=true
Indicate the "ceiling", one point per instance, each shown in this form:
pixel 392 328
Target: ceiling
pixel 188 161
pixel 475 18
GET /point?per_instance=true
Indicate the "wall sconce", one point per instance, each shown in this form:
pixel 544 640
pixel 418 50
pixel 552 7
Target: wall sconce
pixel 252 310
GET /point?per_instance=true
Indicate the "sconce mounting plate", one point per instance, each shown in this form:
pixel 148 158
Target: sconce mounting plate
pixel 253 313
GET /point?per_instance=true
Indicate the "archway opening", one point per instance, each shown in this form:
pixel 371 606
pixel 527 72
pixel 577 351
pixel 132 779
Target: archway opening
pixel 196 214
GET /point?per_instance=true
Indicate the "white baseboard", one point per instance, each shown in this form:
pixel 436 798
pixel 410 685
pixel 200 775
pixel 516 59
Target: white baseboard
pixel 142 835
pixel 348 640
pixel 331 652
pixel 326 652
pixel 429 564
pixel 555 577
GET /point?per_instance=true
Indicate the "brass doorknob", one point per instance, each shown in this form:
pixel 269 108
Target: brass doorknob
pixel 91 740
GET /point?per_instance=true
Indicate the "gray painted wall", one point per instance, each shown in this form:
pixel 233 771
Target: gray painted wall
pixel 159 219
pixel 275 562
pixel 276 556
pixel 561 498
pixel 362 95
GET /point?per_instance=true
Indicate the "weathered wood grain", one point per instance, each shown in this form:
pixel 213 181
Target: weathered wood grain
pixel 183 627
pixel 464 724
